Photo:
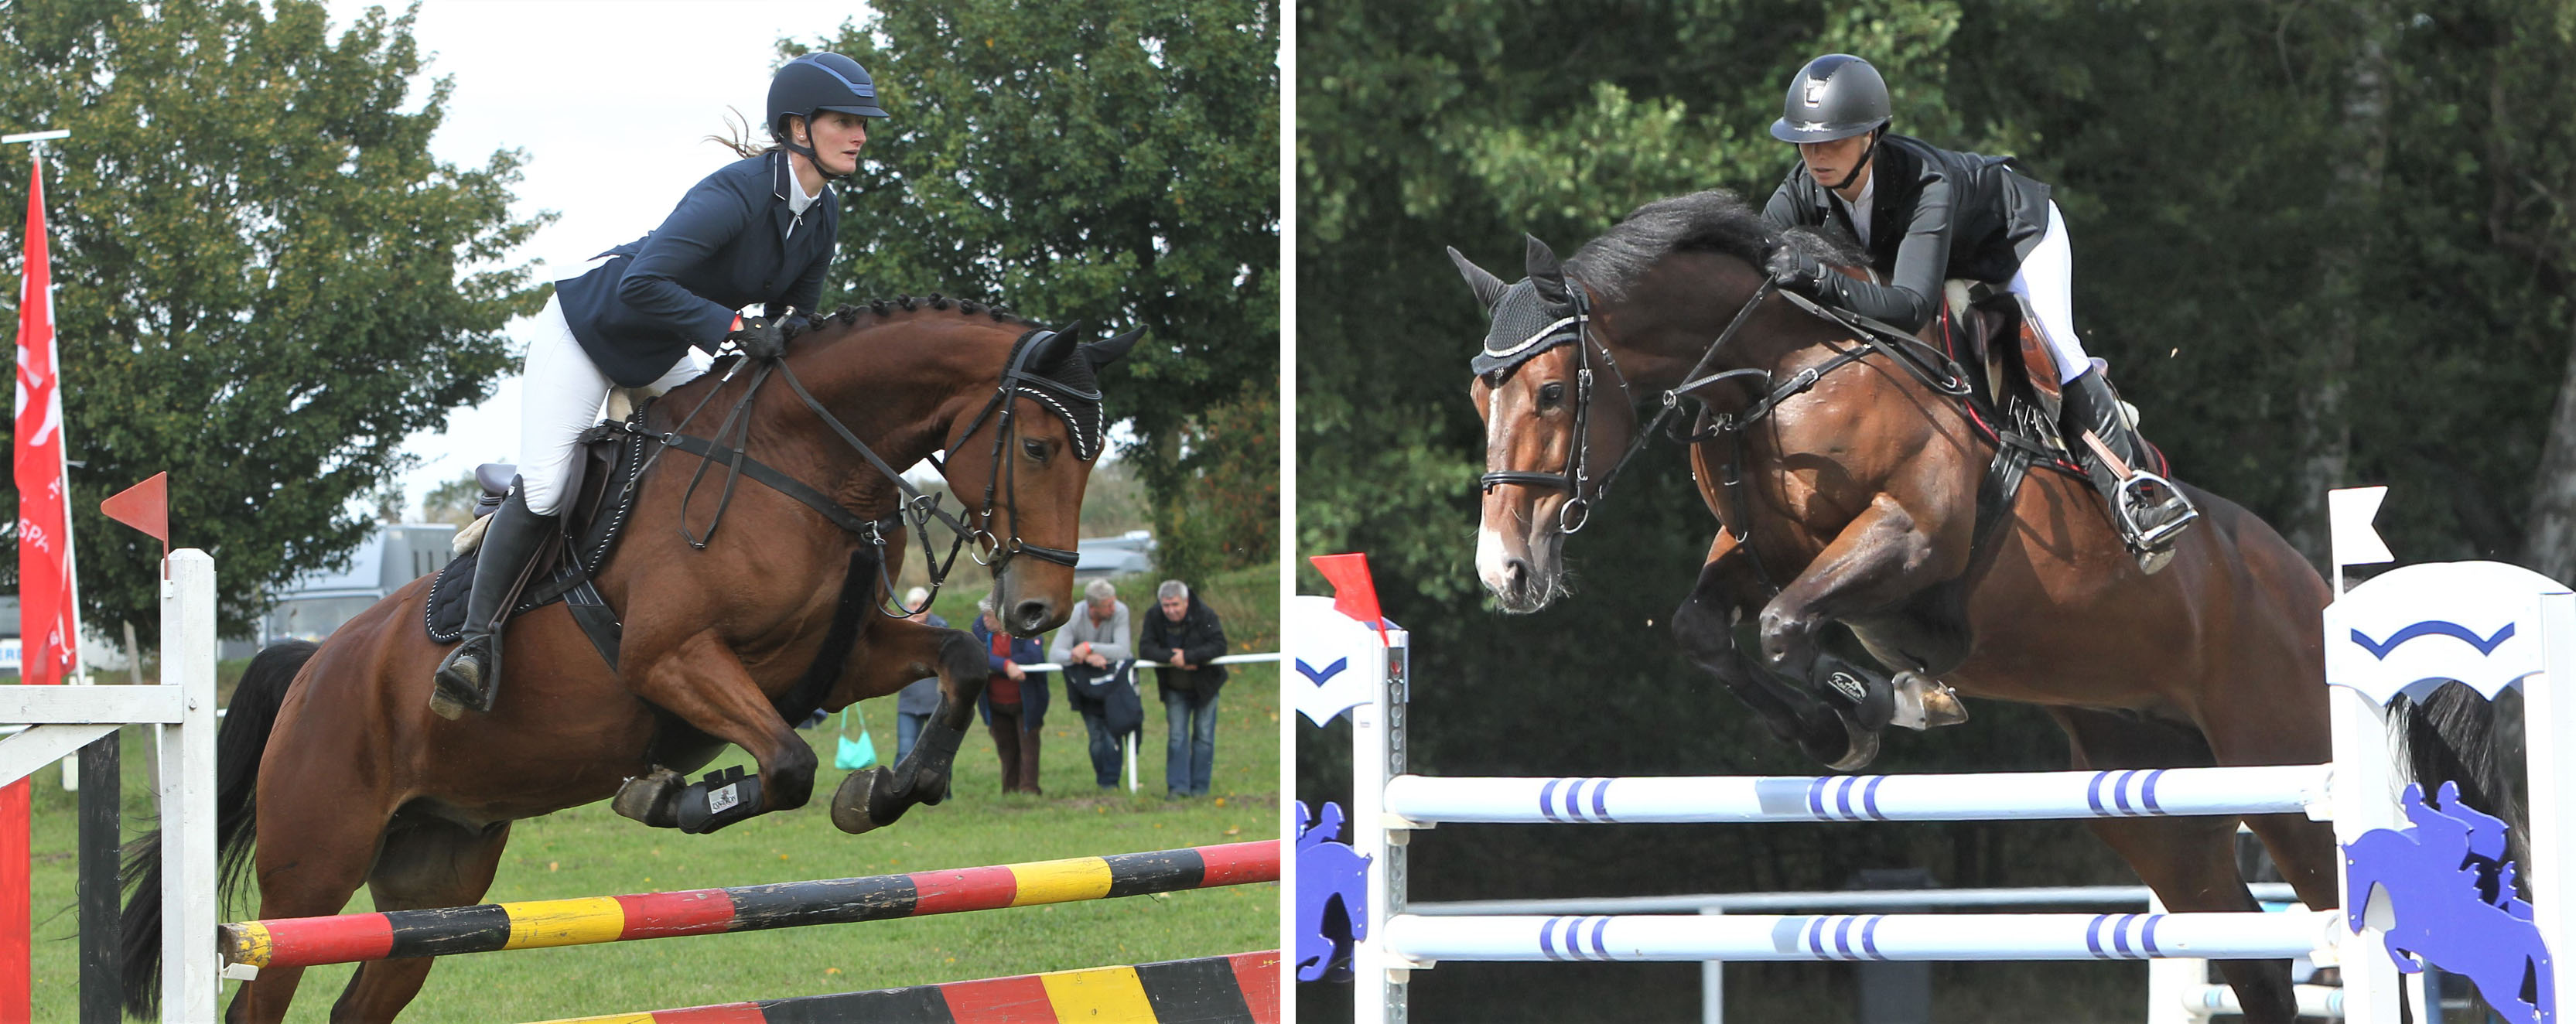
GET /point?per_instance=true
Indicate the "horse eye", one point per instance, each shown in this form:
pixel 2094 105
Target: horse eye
pixel 1036 449
pixel 1551 394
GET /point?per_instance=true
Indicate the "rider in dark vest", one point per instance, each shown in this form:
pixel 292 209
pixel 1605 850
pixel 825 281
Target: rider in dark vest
pixel 1926 215
pixel 756 232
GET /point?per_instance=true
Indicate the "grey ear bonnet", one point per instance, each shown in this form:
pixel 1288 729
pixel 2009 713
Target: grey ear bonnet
pixel 1525 324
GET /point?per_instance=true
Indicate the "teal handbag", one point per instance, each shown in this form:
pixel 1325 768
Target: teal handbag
pixel 858 753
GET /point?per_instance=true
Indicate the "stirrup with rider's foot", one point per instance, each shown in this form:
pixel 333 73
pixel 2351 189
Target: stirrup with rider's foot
pixel 2148 510
pixel 469 678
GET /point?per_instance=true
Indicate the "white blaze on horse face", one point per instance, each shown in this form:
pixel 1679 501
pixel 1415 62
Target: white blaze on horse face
pixel 1495 551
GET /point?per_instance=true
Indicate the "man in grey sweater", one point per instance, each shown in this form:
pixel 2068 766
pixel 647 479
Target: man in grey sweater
pixel 1091 647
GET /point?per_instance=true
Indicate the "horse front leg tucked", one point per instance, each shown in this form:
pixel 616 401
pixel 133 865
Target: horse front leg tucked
pixel 1885 555
pixel 898 652
pixel 703 683
pixel 1705 627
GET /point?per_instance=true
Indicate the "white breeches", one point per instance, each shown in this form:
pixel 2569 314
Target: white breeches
pixel 2047 279
pixel 561 397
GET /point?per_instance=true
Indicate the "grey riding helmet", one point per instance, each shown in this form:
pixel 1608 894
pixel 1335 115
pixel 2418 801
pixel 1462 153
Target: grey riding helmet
pixel 814 83
pixel 1835 96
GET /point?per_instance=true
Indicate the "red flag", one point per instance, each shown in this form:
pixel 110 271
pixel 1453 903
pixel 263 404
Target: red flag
pixel 49 639
pixel 1354 590
pixel 146 507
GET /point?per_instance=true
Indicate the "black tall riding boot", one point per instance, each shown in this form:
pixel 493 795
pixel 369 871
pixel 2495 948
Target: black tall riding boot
pixel 470 677
pixel 2148 510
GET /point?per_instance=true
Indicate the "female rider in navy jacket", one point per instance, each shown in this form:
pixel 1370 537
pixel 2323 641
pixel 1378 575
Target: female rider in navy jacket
pixel 756 231
pixel 1927 214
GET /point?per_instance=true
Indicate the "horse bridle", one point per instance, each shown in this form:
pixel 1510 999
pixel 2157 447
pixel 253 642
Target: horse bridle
pixel 1577 510
pixel 917 509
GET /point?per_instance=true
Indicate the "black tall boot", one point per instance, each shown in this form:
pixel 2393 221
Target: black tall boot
pixel 2148 510
pixel 471 675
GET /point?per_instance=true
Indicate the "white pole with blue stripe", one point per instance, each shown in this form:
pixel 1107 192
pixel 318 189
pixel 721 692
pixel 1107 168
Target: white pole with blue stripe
pixel 2016 796
pixel 1851 937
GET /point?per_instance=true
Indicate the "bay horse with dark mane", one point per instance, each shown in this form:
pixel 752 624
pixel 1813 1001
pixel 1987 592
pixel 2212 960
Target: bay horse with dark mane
pixel 332 760
pixel 1856 473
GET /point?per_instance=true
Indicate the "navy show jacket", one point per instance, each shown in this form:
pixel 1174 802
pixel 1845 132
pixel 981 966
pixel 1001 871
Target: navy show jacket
pixel 730 243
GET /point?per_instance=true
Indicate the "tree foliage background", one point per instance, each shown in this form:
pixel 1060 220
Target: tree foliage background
pixel 1111 161
pixel 264 282
pixel 2321 243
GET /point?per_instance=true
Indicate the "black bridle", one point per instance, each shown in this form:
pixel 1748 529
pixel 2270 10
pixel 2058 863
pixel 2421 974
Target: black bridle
pixel 917 509
pixel 1577 509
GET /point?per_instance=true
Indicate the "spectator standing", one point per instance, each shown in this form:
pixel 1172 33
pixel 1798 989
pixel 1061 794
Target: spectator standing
pixel 914 705
pixel 1014 700
pixel 1091 648
pixel 1184 638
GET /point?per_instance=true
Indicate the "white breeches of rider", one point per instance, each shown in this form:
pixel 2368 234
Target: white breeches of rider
pixel 2047 279
pixel 561 396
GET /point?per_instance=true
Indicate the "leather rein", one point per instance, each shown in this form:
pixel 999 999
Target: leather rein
pixel 916 511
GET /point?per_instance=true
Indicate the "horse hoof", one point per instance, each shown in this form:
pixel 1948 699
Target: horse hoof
pixel 1926 703
pixel 651 799
pixel 445 706
pixel 850 802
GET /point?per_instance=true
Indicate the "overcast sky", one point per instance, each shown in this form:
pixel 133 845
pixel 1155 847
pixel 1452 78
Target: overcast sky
pixel 611 101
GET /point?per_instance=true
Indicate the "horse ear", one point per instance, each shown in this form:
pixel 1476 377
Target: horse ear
pixel 1545 272
pixel 1489 289
pixel 1104 353
pixel 1053 349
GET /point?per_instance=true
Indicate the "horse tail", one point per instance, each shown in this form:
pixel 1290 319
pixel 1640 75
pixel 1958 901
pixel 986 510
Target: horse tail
pixel 240 741
pixel 2457 736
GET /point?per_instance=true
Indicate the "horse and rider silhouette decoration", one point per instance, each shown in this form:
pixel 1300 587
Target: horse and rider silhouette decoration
pixel 729 614
pixel 1867 487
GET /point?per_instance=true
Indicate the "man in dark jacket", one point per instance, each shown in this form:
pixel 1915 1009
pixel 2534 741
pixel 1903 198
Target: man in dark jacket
pixel 1184 638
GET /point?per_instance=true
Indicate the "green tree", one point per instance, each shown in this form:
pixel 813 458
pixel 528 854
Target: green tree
pixel 452 502
pixel 264 281
pixel 1114 161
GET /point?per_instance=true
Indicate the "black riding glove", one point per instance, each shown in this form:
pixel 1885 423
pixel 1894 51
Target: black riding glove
pixel 760 338
pixel 1796 271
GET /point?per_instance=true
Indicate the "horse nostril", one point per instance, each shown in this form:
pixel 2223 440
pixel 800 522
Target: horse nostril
pixel 1516 572
pixel 1032 614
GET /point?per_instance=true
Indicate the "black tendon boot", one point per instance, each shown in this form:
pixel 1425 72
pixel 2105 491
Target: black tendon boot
pixel 471 674
pixel 2147 509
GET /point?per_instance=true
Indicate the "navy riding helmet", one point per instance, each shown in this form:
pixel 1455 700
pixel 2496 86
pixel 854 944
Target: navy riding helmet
pixel 814 83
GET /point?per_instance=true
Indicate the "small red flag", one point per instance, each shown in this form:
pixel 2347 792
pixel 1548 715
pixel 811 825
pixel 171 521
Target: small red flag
pixel 1354 590
pixel 146 507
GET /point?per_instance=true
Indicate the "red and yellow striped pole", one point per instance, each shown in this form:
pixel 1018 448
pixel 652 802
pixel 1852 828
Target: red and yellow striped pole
pixel 539 924
pixel 1238 989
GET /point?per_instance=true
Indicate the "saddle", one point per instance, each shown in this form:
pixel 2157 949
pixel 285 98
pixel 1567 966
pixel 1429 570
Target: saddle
pixel 2017 400
pixel 603 499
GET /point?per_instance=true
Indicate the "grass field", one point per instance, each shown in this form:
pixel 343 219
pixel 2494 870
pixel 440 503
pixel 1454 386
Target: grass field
pixel 588 851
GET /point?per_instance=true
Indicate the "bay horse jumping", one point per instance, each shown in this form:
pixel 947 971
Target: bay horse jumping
pixel 1856 503
pixel 332 760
